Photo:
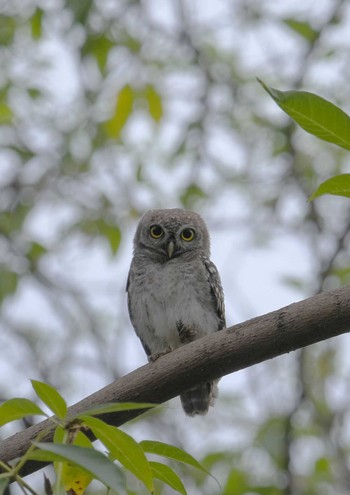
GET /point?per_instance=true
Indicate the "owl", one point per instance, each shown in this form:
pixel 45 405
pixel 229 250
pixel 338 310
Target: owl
pixel 174 291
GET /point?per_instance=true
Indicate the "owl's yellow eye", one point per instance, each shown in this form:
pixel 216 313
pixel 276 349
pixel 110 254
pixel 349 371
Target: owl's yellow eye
pixel 187 235
pixel 156 231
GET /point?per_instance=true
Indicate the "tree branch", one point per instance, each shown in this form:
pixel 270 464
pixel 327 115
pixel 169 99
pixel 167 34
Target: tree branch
pixel 298 325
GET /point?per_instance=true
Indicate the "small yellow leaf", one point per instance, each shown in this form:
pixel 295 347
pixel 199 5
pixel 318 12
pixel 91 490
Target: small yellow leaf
pixel 154 102
pixel 122 111
pixel 75 479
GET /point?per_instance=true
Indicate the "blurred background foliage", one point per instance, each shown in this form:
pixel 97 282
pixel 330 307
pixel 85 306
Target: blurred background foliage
pixel 110 108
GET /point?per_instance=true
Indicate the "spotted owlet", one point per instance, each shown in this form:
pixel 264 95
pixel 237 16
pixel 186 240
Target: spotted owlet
pixel 174 290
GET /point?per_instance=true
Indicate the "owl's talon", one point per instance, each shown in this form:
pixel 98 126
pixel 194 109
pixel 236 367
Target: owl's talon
pixel 153 357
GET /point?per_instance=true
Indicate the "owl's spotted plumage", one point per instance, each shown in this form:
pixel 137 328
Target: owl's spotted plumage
pixel 174 290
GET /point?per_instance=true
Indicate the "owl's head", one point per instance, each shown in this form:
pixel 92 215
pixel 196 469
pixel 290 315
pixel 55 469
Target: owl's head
pixel 171 233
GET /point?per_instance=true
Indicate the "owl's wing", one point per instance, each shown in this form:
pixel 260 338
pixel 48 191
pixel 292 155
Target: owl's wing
pixel 216 290
pixel 144 345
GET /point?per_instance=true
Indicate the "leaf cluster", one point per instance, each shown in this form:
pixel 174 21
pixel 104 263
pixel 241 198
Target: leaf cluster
pixel 77 462
pixel 324 120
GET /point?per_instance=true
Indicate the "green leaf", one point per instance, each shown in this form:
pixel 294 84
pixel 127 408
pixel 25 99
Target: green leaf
pixel 191 195
pixel 11 221
pixel 36 24
pixel 35 252
pixel 18 408
pixel 51 398
pixel 8 283
pixel 6 114
pixel 122 111
pixel 171 452
pixel 91 460
pixel 123 448
pixel 99 47
pixel 302 28
pixel 339 185
pixel 81 10
pixel 7 30
pixel 168 476
pixel 112 233
pixel 316 115
pixel 155 104
pixel 4 484
pixel 115 407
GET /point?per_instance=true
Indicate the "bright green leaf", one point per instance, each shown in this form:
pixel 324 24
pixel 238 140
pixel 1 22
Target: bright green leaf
pixel 122 111
pixel 303 29
pixel 123 448
pixel 316 115
pixel 171 452
pixel 154 103
pixel 115 407
pixel 339 185
pixel 323 466
pixel 51 398
pixel 18 408
pixel 8 283
pixel 91 460
pixel 168 476
pixel 36 23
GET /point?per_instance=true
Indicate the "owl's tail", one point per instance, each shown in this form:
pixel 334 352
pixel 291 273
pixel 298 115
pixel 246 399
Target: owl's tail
pixel 197 400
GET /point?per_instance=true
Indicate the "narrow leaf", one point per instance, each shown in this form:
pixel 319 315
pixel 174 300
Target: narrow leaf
pixel 316 115
pixel 51 398
pixel 122 112
pixel 8 283
pixel 123 448
pixel 154 103
pixel 6 114
pixel 115 407
pixel 168 476
pixel 36 22
pixel 302 28
pixel 339 185
pixel 47 486
pixel 171 452
pixel 91 460
pixel 18 408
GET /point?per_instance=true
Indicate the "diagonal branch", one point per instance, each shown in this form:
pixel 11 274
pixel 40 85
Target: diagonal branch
pixel 297 325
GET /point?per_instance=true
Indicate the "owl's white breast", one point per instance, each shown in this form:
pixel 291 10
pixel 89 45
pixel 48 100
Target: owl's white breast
pixel 166 294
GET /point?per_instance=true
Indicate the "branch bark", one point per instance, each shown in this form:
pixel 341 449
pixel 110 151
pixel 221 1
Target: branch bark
pixel 287 329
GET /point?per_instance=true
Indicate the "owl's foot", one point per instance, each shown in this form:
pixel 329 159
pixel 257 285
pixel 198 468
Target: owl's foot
pixel 187 333
pixel 156 355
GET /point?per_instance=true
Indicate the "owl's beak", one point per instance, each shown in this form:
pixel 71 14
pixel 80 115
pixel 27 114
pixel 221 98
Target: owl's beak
pixel 171 247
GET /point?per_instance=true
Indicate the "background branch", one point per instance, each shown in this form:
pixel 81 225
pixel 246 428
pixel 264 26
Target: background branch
pixel 297 325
